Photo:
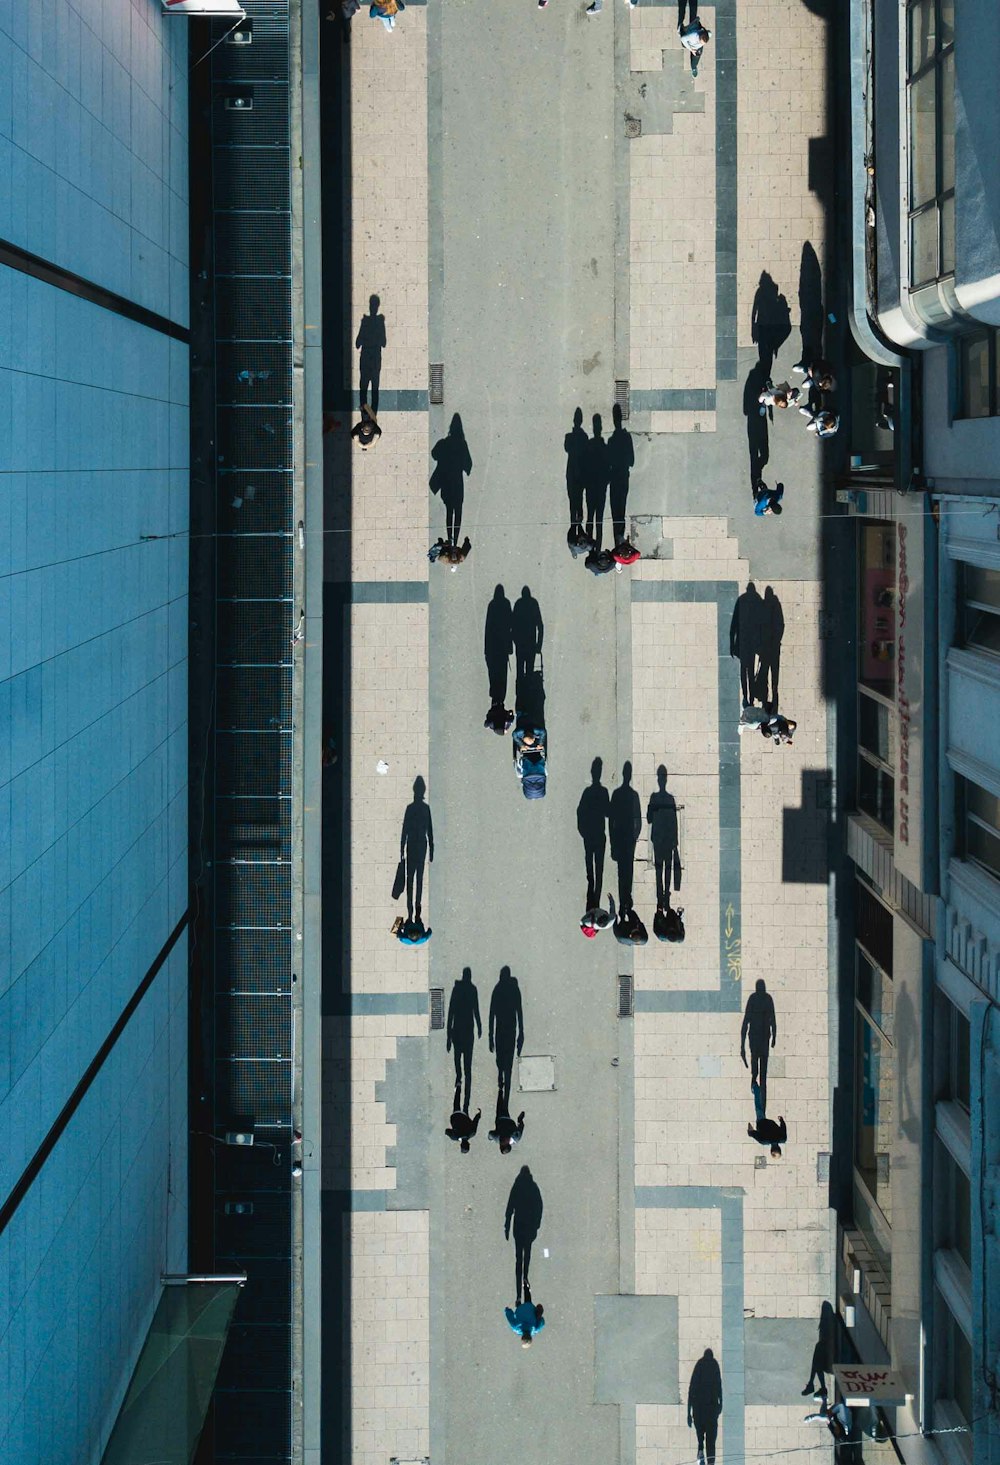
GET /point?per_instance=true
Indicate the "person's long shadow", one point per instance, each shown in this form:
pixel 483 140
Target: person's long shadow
pixel 498 643
pixel 370 342
pixel 661 816
pixel 597 482
pixel 771 635
pixel 757 437
pixel 506 1031
pixel 575 446
pixel 453 464
pixel 591 821
pixel 624 828
pixel 824 1352
pixel 770 323
pixel 745 639
pixel 704 1404
pixel 416 842
pixel 464 1024
pixel 528 635
pixel 524 1217
pixel 621 461
pixel 810 305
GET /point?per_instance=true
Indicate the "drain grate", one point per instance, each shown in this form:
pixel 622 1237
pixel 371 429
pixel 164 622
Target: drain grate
pixel 625 997
pixel 437 1009
pixel 622 397
pixel 437 383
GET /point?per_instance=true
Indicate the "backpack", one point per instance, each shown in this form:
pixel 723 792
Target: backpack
pixel 533 783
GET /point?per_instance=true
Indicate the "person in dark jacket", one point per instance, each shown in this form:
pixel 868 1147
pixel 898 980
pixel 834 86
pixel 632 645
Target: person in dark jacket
pixel 705 1405
pixel 506 1030
pixel 761 1026
pixel 507 1133
pixel 769 1133
pixel 524 1212
pixel 463 1128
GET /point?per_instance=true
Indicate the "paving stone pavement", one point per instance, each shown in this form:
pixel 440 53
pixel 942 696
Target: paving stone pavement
pixel 701 1219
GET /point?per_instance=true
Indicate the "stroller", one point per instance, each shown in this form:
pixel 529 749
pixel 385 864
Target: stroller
pixel 530 758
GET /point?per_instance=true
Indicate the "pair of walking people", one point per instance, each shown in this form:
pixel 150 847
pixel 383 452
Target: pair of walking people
pixel 506 1039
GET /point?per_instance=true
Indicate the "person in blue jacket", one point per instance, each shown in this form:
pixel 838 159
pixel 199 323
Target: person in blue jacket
pixel 525 1320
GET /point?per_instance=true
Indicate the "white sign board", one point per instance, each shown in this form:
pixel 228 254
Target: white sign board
pixel 222 8
pixel 869 1383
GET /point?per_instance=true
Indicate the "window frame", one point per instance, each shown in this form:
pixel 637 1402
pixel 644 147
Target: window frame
pixel 991 337
pixel 966 817
pixel 941 56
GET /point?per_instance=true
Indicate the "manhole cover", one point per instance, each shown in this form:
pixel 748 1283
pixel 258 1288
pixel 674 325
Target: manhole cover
pixel 536 1075
pixel 633 126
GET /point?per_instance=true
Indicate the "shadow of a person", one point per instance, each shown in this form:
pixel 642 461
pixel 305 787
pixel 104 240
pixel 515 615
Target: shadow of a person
pixel 810 306
pixel 770 323
pixel 757 436
pixel 370 342
pixel 464 1024
pixel 597 481
pixel 529 700
pixel 772 631
pixel 416 843
pixel 528 633
pixel 453 464
pixel 621 461
pixel 624 828
pixel 591 821
pixel 704 1405
pixel 661 816
pixel 498 643
pixel 524 1214
pixel 575 447
pixel 824 1352
pixel 506 1031
pixel 745 636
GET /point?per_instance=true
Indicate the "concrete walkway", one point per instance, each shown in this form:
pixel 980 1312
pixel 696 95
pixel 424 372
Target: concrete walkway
pixel 543 255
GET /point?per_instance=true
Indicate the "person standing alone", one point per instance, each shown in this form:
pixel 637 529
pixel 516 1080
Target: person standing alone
pixel 705 1405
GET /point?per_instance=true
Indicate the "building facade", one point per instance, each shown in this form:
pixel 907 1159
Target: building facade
pixel 94 496
pixel 919 1254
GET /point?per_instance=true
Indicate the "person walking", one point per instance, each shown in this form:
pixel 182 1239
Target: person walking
pixel 499 719
pixel 367 431
pixel 526 1318
pixel 463 1128
pixel 779 729
pixel 506 1132
pixel 524 1215
pixel 761 1026
pixel 411 933
pixel 463 1017
pixel 704 1405
pixel 450 554
pixel 596 919
pixel 818 375
pixel 780 396
pixel 822 423
pixel 600 561
pixel 694 36
pixel 452 465
pixel 769 1133
pixel 767 500
pixel 505 1030
pixel 386 11
pixel 668 923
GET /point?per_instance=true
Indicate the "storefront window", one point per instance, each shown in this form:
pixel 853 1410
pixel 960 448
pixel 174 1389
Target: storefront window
pixel 953 1204
pixel 932 141
pixel 877 590
pixel 874 1071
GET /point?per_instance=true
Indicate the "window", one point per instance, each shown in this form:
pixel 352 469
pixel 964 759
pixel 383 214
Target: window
pixel 978 820
pixel 980 590
pixel 874 1078
pixel 932 140
pixel 952 1042
pixel 877 609
pixel 876 759
pixel 953 1358
pixel 953 1205
pixel 978 374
